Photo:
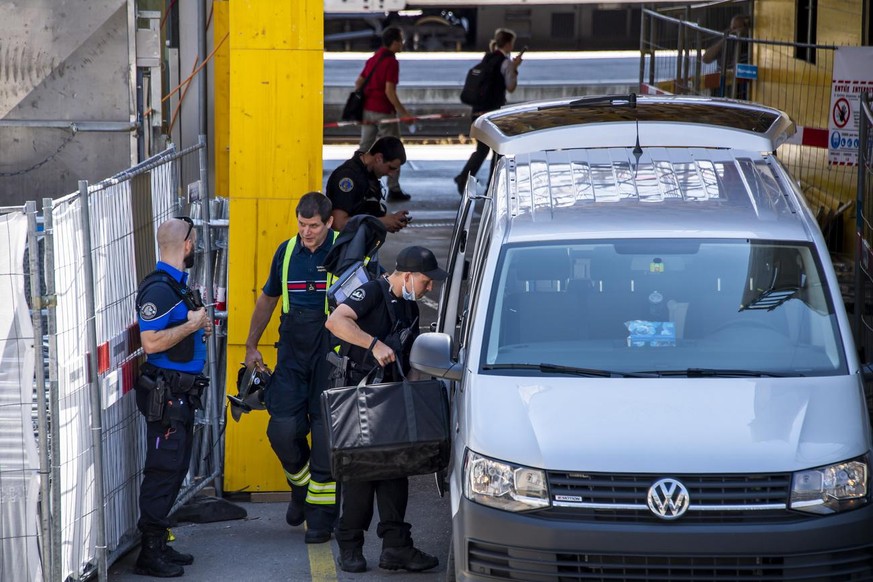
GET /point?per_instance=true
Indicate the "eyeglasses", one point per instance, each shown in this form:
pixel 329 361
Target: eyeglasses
pixel 190 224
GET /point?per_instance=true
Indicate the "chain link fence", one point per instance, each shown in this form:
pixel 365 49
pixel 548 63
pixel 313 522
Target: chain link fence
pixel 72 462
pixel 864 226
pixel 791 76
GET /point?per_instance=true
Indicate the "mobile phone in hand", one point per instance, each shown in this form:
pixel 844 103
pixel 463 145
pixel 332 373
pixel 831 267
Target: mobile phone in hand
pixel 521 52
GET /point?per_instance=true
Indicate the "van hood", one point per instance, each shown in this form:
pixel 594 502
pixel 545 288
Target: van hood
pixel 667 425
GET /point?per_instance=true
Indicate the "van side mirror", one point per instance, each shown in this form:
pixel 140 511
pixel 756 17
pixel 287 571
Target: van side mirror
pixel 431 354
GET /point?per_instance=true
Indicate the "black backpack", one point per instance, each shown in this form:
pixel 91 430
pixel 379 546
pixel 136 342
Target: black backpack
pixel 484 88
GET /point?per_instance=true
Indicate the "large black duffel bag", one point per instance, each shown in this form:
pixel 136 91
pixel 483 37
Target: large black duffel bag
pixel 387 430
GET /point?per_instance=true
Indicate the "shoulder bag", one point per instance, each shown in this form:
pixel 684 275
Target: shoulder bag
pixel 353 110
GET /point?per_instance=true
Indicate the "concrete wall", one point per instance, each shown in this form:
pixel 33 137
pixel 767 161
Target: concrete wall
pixel 62 60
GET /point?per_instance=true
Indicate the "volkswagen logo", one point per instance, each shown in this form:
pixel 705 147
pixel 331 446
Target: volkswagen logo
pixel 668 499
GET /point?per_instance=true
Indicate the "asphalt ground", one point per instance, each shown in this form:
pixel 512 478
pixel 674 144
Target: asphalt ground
pixel 262 546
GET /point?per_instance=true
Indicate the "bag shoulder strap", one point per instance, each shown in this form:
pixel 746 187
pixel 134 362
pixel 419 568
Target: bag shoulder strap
pixel 373 70
pixel 158 276
pixel 386 294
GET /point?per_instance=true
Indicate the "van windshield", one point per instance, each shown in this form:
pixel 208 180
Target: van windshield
pixel 650 305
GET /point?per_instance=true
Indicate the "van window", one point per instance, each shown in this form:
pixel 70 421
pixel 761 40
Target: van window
pixel 664 304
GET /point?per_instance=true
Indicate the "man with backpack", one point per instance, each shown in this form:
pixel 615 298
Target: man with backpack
pixel 485 90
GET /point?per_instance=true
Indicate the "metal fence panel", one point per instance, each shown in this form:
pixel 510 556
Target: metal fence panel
pixel 863 306
pixel 19 462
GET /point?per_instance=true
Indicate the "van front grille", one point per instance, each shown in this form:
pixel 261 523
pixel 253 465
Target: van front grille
pixel 508 563
pixel 715 498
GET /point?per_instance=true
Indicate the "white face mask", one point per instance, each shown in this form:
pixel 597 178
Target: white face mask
pixel 410 295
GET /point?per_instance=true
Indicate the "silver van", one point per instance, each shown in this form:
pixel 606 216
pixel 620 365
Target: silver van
pixel 652 373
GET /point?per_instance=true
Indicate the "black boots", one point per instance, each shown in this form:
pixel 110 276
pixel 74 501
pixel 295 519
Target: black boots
pixel 174 557
pixel 152 560
pixel 407 558
pixel 397 196
pixel 294 515
pixel 351 560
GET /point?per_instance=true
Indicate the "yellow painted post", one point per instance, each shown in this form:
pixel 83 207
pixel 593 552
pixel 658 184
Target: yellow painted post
pixel 221 97
pixel 276 84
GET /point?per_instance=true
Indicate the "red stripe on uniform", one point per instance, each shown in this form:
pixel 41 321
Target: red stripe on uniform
pixel 298 286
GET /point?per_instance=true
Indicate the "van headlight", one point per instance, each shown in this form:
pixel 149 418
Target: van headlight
pixel 830 489
pixel 504 485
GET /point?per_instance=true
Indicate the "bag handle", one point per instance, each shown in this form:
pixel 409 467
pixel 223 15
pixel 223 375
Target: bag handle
pixel 369 375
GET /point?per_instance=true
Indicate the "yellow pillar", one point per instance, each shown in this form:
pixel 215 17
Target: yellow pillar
pixel 276 83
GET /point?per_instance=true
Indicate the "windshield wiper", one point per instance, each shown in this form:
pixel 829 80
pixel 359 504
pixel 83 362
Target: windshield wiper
pixel 717 373
pixel 571 370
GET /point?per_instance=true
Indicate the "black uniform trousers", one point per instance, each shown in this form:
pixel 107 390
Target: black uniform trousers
pixel 293 400
pixel 168 457
pixel 391 496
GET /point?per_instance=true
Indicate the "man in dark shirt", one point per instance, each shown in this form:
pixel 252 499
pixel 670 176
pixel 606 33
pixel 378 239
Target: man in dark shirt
pixel 298 278
pixel 377 325
pixel 173 326
pixel 354 187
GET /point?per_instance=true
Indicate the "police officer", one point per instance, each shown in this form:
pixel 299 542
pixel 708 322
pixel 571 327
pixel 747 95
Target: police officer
pixel 377 325
pixel 298 278
pixel 354 187
pixel 173 328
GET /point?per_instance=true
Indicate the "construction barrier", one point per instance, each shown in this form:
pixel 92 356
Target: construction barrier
pixel 863 303
pixel 19 461
pixel 73 440
pixel 671 62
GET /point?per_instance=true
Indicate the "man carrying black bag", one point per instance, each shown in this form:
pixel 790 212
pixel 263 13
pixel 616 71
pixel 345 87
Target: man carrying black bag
pixel 377 325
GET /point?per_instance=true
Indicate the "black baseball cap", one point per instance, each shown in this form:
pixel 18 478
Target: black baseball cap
pixel 417 259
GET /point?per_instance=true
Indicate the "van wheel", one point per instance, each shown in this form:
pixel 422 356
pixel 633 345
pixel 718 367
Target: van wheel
pixel 450 563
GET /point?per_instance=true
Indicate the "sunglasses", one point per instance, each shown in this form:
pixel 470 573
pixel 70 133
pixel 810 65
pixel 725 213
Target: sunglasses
pixel 190 224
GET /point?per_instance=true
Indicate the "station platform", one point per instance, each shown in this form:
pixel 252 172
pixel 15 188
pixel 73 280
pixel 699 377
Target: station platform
pixel 431 83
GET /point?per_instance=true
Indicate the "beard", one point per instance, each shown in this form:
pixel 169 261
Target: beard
pixel 189 260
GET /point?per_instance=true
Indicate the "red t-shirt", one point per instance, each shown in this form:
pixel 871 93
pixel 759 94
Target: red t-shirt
pixel 387 71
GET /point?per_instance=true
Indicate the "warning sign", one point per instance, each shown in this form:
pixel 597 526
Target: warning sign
pixel 841 112
pixel 852 76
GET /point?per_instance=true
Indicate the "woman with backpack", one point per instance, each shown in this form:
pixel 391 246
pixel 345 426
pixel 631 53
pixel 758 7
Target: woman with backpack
pixel 497 76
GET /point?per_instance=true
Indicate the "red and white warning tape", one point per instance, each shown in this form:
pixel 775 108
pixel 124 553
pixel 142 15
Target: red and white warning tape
pixel 810 136
pixel 410 119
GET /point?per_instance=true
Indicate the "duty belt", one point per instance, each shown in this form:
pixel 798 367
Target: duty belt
pixel 179 382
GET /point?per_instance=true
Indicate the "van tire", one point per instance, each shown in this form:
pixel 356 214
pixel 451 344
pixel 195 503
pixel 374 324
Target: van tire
pixel 450 562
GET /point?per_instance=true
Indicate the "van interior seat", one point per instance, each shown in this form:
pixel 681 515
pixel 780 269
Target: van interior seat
pixel 610 299
pixel 540 308
pixel 718 303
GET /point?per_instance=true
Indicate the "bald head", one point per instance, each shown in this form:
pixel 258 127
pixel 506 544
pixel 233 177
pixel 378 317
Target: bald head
pixel 173 247
pixel 172 232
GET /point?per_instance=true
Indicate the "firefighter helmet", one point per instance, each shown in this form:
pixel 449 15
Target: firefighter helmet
pixel 251 384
